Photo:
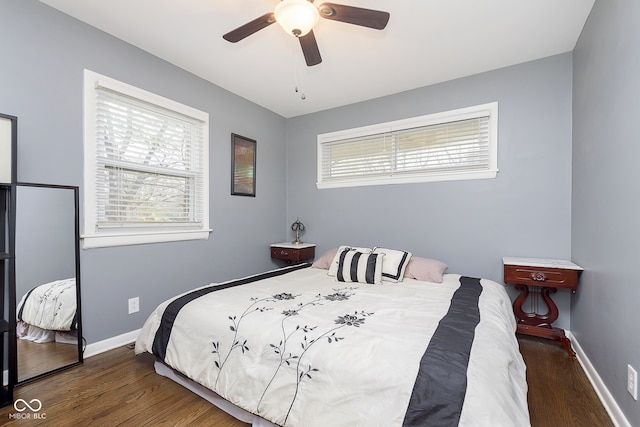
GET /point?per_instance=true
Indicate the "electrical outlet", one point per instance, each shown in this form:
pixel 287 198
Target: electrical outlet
pixel 632 382
pixel 134 305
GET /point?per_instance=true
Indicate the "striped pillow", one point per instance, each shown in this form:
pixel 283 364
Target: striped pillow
pixel 394 265
pixel 333 268
pixel 357 266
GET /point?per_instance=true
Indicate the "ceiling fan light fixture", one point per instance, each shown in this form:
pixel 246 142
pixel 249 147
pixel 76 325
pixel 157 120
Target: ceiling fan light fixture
pixel 296 17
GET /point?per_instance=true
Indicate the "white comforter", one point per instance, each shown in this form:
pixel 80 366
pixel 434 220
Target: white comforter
pixel 50 306
pixel 304 350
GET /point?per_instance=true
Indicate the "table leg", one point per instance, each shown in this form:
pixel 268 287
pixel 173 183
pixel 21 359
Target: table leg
pixel 540 324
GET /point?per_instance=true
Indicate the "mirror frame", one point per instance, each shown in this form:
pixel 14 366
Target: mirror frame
pixel 76 198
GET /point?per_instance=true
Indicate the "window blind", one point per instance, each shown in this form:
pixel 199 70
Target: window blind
pixel 410 150
pixel 149 164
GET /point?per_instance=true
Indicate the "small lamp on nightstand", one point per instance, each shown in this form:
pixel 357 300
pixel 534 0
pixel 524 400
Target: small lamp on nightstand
pixel 297 226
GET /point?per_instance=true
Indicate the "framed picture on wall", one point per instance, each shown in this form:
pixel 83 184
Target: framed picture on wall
pixel 243 166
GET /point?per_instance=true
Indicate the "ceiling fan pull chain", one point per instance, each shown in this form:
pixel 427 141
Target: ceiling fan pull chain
pixel 298 87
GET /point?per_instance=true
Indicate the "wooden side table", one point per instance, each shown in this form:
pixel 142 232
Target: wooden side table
pixel 538 278
pixel 293 253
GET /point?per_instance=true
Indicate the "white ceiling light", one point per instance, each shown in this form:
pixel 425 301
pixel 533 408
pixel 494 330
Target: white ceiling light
pixel 297 17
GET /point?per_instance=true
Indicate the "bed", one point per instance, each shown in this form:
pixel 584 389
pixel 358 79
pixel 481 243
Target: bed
pixel 48 313
pixel 326 346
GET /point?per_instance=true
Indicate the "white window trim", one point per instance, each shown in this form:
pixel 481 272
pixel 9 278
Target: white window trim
pixel 432 119
pixel 105 237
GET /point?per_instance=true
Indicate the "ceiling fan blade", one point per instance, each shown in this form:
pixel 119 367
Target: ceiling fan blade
pixel 249 28
pixel 310 49
pixel 370 18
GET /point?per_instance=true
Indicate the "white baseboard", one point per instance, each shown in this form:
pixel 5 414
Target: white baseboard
pixel 614 411
pixel 110 343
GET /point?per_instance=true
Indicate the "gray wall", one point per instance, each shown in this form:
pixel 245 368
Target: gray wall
pixel 470 225
pixel 44 54
pixel 45 236
pixel 605 205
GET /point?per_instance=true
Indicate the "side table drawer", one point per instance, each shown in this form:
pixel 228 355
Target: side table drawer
pixel 284 253
pixel 292 254
pixel 541 276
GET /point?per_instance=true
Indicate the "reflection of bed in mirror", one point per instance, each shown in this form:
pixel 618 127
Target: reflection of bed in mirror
pixel 47 313
pixel 47 280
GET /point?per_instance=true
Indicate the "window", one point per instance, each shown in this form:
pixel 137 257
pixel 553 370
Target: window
pixel 459 144
pixel 146 169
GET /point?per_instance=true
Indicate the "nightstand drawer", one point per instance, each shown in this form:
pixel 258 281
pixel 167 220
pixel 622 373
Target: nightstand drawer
pixel 292 254
pixel 541 276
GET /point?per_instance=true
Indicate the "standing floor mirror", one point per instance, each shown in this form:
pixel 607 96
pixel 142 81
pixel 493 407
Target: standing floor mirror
pixel 49 328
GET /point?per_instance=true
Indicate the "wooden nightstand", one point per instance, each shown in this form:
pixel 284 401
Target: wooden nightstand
pixel 546 276
pixel 293 253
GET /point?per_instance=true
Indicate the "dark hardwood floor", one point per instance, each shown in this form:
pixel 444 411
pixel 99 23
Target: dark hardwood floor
pixel 560 393
pixel 119 388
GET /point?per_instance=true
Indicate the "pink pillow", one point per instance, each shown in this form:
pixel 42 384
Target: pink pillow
pixel 425 269
pixel 324 262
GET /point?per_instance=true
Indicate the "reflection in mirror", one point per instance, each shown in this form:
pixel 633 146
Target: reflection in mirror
pixel 47 280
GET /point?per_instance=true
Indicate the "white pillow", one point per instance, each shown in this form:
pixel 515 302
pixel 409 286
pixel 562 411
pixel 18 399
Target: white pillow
pixel 361 267
pixel 333 268
pixel 394 263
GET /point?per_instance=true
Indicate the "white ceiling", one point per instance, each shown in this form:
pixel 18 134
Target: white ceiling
pixel 425 42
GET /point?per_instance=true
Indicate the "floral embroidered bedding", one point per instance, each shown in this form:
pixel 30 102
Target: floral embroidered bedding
pixel 298 348
pixel 50 306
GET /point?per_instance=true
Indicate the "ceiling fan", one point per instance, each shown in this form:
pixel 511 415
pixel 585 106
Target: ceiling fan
pixel 298 17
